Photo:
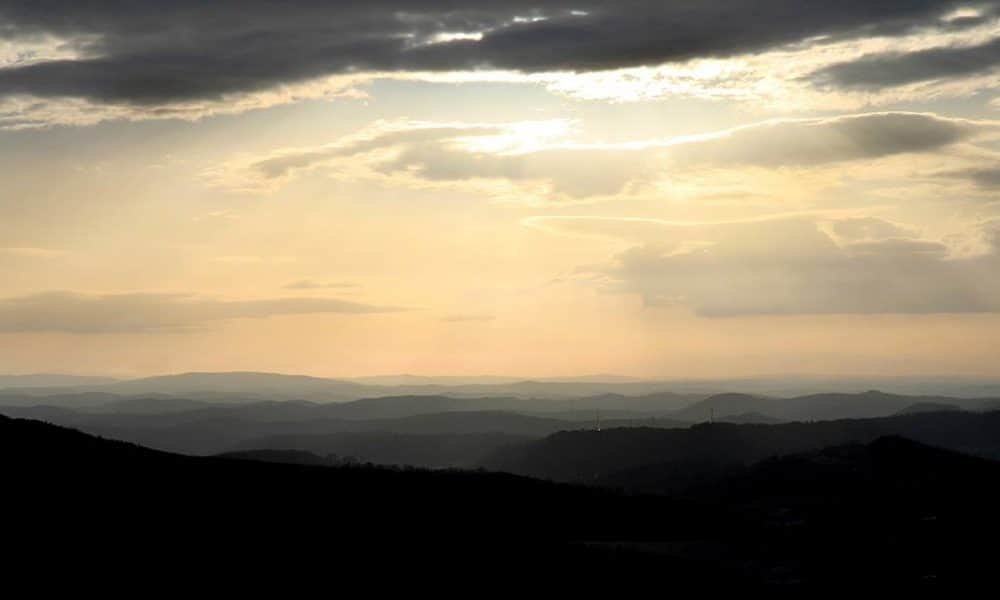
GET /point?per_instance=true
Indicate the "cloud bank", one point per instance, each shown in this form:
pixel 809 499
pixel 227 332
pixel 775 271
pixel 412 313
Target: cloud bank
pixel 150 52
pixel 72 312
pixel 186 57
pixel 789 266
pixel 536 162
pixel 878 71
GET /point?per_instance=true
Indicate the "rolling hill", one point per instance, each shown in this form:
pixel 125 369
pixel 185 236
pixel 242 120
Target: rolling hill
pixel 296 522
pixel 816 407
pixel 889 514
pixel 595 455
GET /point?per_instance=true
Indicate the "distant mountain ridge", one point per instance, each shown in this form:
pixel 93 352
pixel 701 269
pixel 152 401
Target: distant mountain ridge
pixel 816 407
pixel 240 386
pixel 197 426
pixel 250 385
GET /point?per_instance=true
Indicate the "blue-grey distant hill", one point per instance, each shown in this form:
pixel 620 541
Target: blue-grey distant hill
pixel 817 407
pixel 257 386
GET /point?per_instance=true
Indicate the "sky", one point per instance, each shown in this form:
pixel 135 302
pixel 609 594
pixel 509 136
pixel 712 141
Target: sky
pixel 697 188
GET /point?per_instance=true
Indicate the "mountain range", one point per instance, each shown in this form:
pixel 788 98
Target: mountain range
pixel 465 429
pixel 890 513
pixel 250 386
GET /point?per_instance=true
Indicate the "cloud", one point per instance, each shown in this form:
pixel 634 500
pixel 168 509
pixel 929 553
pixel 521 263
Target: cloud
pixel 788 266
pixel 535 162
pixel 72 312
pixel 155 54
pixel 878 71
pixel 523 157
pixel 307 284
pixel 857 229
pixel 381 136
pixel 806 142
pixel 985 177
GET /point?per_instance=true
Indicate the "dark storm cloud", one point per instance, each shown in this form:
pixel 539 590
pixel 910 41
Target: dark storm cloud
pixel 879 71
pixel 71 312
pixel 153 52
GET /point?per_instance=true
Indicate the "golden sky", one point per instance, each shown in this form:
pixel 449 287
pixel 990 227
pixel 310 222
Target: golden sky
pixel 532 189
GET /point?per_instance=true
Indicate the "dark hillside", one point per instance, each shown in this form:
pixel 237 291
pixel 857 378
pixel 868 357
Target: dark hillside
pixel 592 455
pixel 891 514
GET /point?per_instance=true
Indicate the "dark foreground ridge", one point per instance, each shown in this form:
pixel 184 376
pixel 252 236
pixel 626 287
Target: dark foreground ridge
pixel 71 489
pixel 891 512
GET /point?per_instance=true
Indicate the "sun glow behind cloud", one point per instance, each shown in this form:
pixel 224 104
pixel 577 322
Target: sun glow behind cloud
pixel 558 188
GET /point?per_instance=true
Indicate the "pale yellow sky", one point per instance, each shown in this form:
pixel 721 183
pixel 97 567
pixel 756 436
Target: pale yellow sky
pixel 719 216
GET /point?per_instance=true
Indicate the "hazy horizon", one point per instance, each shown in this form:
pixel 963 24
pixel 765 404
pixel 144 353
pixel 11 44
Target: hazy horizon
pixel 597 377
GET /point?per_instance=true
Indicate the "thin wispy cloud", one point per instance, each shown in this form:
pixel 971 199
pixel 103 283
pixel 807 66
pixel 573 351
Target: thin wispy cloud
pixel 467 318
pixel 538 162
pixel 80 313
pixel 309 284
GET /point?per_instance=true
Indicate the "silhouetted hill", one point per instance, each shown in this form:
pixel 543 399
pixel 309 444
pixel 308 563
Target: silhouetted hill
pixel 287 457
pixel 750 418
pixel 145 405
pixel 426 450
pixel 860 469
pixel 405 406
pixel 814 407
pixel 69 489
pixel 890 515
pixel 254 386
pixel 593 455
pixel 57 457
pixel 724 405
pixel 325 398
pixel 817 407
pixel 405 379
pixel 660 403
pixel 925 407
pixel 163 424
pixel 249 384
